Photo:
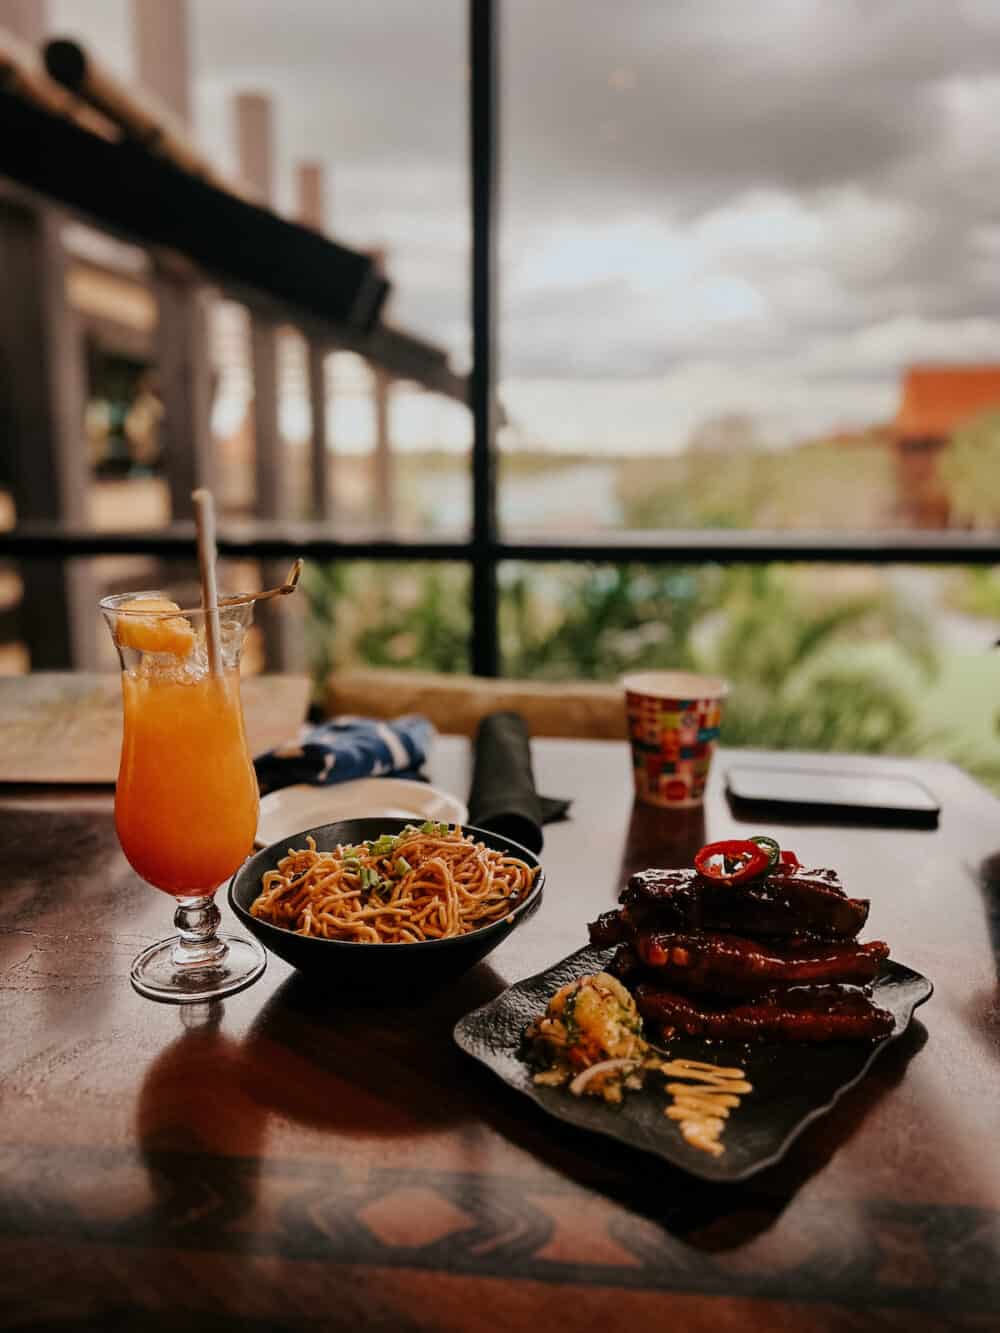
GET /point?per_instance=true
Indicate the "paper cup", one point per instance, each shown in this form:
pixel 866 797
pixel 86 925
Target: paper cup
pixel 673 725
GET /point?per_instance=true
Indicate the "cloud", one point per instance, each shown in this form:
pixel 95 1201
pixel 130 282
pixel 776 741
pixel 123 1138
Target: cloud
pixel 725 97
pixel 659 415
pixel 706 204
pixel 837 382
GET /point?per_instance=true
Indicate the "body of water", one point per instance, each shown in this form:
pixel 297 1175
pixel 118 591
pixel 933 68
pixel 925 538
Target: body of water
pixel 576 499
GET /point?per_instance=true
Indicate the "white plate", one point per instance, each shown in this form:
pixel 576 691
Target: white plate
pixel 291 809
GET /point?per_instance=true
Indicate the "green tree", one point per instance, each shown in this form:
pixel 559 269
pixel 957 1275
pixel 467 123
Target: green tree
pixel 593 622
pixel 386 614
pixel 775 650
pixel 772 632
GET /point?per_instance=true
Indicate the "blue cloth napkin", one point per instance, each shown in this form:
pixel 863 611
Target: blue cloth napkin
pixel 346 748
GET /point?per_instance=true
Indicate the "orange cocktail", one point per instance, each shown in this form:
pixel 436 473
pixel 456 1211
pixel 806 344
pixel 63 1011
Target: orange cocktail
pixel 186 801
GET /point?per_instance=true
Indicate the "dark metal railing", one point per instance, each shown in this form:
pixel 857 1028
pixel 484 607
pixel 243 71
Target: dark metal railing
pixel 264 539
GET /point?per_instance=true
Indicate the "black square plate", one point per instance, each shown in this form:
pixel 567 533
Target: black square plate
pixel 793 1084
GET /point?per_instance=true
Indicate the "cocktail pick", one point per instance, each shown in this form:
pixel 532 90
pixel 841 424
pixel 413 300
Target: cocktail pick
pixel 290 584
pixel 204 517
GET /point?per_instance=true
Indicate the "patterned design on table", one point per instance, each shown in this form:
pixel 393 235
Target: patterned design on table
pixel 672 745
pixel 874 1253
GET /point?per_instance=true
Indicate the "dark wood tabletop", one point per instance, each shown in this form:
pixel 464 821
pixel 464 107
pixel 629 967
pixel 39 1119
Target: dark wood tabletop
pixel 304 1160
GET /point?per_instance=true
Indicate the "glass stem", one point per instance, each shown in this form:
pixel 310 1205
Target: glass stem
pixel 197 921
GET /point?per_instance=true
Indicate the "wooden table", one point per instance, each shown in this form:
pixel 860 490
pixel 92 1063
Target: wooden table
pixel 66 726
pixel 307 1161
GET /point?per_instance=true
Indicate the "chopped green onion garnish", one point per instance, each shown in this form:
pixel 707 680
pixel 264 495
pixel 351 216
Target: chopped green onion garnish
pixel 384 845
pixel 403 866
pixel 434 829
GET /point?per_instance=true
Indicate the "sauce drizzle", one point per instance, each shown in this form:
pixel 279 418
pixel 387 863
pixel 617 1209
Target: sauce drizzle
pixel 701 1106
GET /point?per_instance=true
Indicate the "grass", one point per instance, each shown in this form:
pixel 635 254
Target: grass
pixel 957 712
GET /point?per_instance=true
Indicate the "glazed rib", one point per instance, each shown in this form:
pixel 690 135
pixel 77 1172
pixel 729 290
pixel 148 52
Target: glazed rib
pixel 810 1015
pixel 789 902
pixel 709 963
pixel 609 928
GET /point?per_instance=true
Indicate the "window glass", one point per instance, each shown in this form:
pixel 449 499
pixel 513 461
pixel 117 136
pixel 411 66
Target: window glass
pixel 863 658
pixel 740 245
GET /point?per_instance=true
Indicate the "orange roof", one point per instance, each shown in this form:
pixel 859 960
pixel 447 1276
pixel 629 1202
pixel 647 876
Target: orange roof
pixel 938 399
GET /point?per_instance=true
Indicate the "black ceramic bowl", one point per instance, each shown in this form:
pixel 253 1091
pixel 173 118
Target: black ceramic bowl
pixel 375 966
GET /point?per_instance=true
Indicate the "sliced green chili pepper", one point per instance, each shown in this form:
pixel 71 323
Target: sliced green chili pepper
pixel 768 845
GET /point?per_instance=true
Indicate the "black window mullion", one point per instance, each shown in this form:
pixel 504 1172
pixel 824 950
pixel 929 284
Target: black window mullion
pixel 483 128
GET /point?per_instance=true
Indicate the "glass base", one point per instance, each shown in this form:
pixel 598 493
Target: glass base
pixel 158 974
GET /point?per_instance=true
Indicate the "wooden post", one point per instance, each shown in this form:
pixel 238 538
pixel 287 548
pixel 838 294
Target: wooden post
pixel 161 50
pixel 384 472
pixel 319 454
pixel 270 473
pixel 42 397
pixel 385 490
pixel 254 138
pixel 311 210
pixel 311 195
pixel 184 358
pixel 255 144
pixel 183 347
pixel 283 642
pixel 25 19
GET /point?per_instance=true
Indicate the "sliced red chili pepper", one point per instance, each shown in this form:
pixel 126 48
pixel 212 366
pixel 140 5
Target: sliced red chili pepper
pixel 791 860
pixel 734 860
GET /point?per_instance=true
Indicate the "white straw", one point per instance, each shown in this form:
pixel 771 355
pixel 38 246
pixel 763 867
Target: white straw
pixel 204 517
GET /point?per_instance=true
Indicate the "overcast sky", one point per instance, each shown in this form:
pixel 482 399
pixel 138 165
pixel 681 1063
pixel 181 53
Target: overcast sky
pixel 769 207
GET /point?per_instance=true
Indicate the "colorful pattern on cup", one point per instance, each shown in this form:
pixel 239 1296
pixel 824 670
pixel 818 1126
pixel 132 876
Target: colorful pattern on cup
pixel 672 745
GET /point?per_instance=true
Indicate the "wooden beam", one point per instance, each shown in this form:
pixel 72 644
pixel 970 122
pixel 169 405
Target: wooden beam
pixel 406 356
pixel 409 358
pixel 160 204
pixel 42 396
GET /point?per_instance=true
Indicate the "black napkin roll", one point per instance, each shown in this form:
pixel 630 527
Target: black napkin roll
pixel 503 797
